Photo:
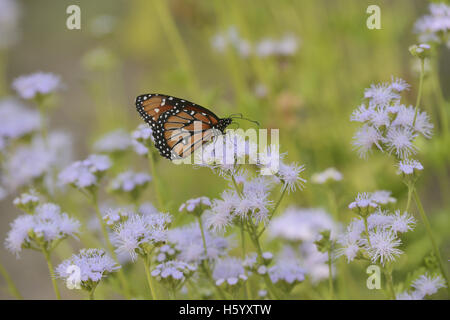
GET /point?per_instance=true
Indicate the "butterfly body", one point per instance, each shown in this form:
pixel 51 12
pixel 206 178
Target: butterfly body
pixel 179 126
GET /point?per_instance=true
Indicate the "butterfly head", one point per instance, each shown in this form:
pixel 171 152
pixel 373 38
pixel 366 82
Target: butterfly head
pixel 223 124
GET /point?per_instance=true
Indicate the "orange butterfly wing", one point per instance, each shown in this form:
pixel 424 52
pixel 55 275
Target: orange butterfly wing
pixel 179 126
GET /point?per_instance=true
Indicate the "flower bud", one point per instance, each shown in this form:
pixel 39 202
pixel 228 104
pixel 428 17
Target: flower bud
pixel 420 51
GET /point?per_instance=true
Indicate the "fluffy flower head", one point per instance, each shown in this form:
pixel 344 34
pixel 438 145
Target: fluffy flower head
pixel 48 224
pixel 29 86
pixel 92 264
pixel 140 231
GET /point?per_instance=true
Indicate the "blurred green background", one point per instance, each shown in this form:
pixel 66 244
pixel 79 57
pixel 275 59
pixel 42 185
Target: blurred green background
pixel 165 46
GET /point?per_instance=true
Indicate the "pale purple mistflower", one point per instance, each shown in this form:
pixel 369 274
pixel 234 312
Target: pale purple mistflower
pixel 414 295
pixel 220 216
pixel 47 223
pixel 290 176
pixel 425 285
pixel 435 26
pixel 129 181
pixel 363 201
pixel 383 246
pixel 329 174
pixel 349 247
pixel 400 141
pixel 229 271
pixel 111 216
pixel 85 173
pixel 188 242
pixel 288 272
pixel 387 124
pixel 27 201
pixel 139 231
pixel 409 166
pixel 402 222
pixel 115 141
pixel 365 138
pixel 36 160
pixel 93 264
pixel 142 138
pixel 381 94
pixel 383 197
pixel 173 272
pixel 301 224
pixel 192 204
pixel 16 120
pixel 399 85
pixel 39 83
pixel 428 285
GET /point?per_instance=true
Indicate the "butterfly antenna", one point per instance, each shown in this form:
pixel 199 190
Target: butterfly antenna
pixel 236 123
pixel 253 121
pixel 240 116
pixel 247 119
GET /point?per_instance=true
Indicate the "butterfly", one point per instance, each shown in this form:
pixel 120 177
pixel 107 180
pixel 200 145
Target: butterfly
pixel 179 126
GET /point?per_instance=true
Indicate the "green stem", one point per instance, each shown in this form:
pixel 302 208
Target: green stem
pixel 419 95
pixel 40 102
pixel 52 273
pixel 390 282
pixel 440 97
pixel 110 247
pixel 330 276
pixel 172 294
pixel 431 237
pixel 247 291
pixel 243 240
pixel 366 227
pixel 238 190
pixel 205 269
pixel 277 204
pixel 91 293
pixel 267 279
pixel 149 277
pixel 43 123
pixel 442 105
pixel 254 236
pixel 410 192
pixel 11 286
pixel 156 185
pixel 203 236
pixel 344 280
pixel 333 203
pixel 205 265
